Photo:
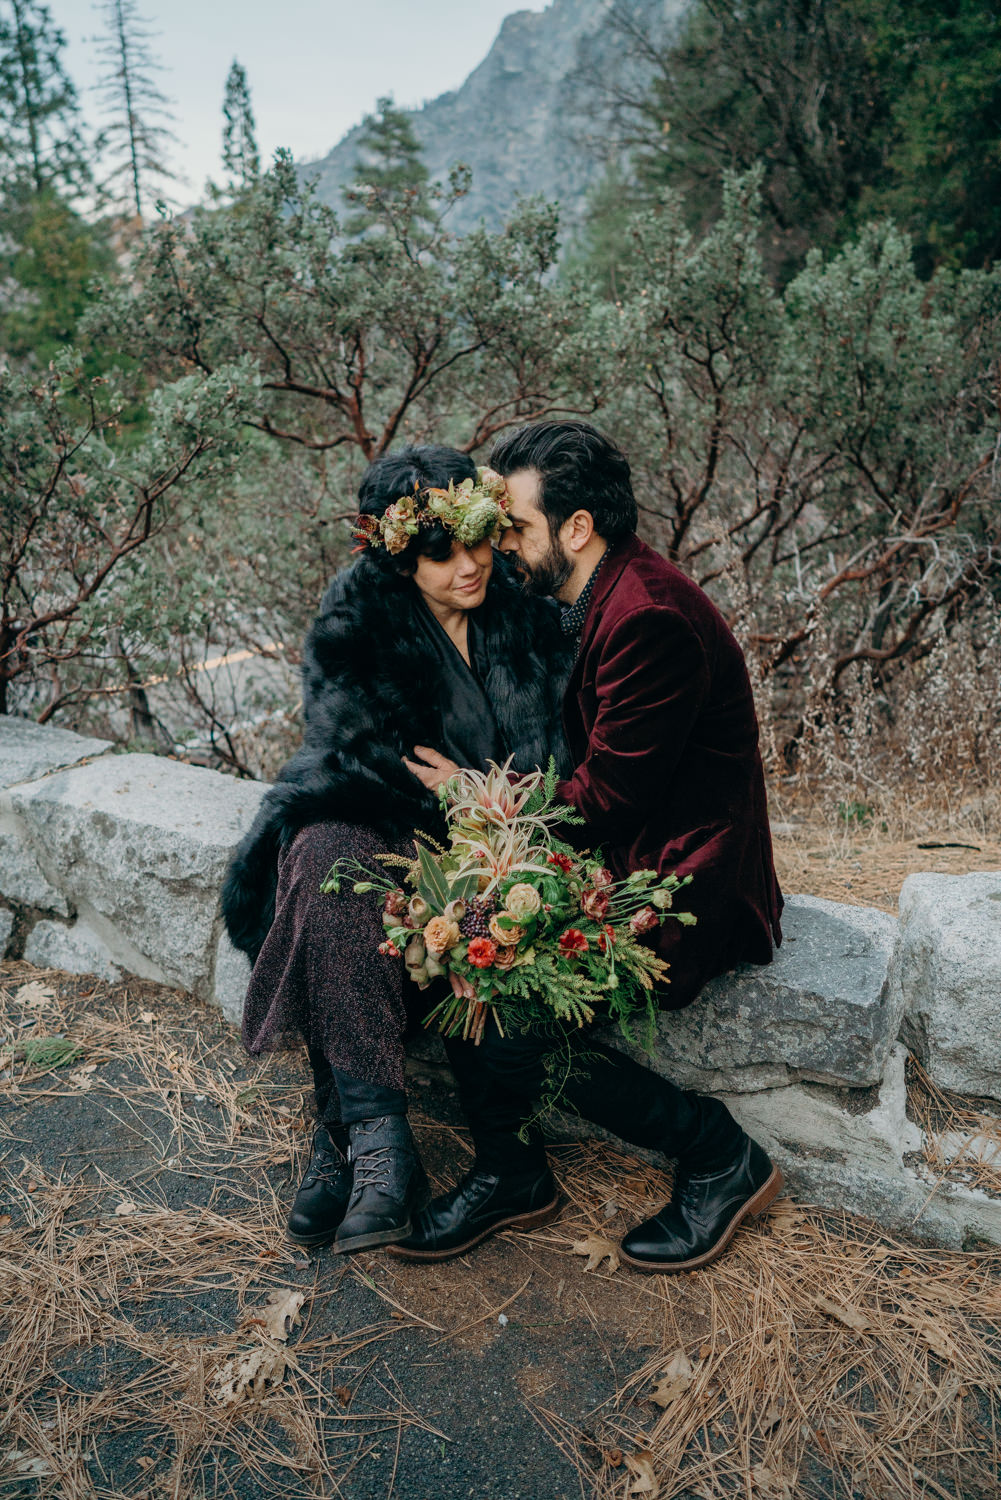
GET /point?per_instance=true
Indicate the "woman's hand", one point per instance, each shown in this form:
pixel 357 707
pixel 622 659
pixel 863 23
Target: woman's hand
pixel 436 770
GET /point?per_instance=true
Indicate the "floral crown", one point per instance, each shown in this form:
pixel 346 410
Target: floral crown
pixel 472 511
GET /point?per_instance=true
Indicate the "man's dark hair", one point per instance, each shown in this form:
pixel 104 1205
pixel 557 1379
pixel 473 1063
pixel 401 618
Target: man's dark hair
pixel 579 468
pixel 416 467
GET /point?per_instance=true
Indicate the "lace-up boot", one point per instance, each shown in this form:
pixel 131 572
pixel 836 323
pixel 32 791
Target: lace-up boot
pixel 324 1191
pixel 389 1183
pixel 482 1203
pixel 705 1211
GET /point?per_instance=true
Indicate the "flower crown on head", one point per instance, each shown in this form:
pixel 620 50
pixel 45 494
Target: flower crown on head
pixel 472 511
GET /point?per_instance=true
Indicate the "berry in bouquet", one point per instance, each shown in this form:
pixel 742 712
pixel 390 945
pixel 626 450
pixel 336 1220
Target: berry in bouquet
pixel 524 927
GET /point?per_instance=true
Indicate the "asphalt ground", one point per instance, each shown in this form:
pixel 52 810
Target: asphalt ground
pixel 163 1339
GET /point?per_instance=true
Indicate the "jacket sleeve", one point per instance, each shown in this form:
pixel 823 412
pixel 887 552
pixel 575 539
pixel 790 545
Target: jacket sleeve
pixel 651 683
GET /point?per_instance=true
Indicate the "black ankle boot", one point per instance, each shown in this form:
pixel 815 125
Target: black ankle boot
pixel 389 1183
pixel 704 1213
pixel 324 1191
pixel 480 1205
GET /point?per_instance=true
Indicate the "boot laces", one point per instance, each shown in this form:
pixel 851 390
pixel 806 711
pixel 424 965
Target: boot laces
pixel 372 1169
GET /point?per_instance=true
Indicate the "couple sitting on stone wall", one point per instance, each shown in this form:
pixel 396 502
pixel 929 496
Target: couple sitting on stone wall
pixel 435 650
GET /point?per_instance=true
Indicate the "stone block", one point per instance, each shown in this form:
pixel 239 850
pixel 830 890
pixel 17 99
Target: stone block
pixel 139 845
pixel 29 750
pixel 230 979
pixel 22 879
pixel 823 1010
pixel 77 949
pixel 858 1151
pixel 6 928
pixel 949 971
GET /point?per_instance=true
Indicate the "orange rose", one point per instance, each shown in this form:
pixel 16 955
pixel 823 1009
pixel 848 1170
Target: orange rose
pixel 440 934
pixel 508 937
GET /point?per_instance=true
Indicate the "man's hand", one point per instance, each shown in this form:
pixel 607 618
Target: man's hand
pixel 436 770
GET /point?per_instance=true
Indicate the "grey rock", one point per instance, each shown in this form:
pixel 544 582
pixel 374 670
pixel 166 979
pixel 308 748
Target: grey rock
pixel 76 949
pixel 22 879
pixel 519 119
pixel 139 844
pixel 29 750
pixel 6 928
pixel 862 1157
pixel 949 970
pixel 823 1010
pixel 230 979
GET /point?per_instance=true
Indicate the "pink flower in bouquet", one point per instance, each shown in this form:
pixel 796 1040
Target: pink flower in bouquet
pixel 440 934
pixel 506 937
pixel 481 953
pixel 602 878
pixel 561 861
pixel 595 903
pixel 573 941
pixel 395 904
pixel 643 920
pixel 389 949
pixel 505 958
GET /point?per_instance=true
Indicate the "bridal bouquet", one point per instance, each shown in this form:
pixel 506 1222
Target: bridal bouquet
pixel 525 928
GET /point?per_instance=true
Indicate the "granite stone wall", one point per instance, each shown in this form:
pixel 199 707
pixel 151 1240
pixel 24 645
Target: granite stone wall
pixel 112 863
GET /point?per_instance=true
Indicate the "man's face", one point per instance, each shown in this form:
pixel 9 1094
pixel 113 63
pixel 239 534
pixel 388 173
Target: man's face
pixel 538 555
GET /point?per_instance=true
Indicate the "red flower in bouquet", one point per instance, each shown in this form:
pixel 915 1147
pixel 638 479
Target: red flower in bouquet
pixel 481 953
pixel 389 949
pixel 643 920
pixel 595 903
pixel 561 861
pixel 573 941
pixel 606 939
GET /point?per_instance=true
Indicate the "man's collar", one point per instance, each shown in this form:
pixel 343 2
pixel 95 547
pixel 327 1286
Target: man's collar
pixel 573 616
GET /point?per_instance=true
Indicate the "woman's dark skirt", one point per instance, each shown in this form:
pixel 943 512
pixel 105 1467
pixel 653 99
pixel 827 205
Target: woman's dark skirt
pixel 320 978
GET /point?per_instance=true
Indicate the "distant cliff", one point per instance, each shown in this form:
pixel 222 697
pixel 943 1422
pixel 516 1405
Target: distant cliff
pixel 518 119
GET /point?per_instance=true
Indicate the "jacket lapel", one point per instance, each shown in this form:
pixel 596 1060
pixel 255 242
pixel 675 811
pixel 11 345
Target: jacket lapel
pixel 622 553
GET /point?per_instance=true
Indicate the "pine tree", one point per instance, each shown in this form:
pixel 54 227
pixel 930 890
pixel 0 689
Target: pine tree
pixel 41 145
pixel 240 157
pixel 135 133
pixel 389 173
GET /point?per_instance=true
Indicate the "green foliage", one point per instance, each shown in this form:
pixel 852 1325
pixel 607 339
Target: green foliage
pixel 44 1052
pixel 939 68
pixel 80 507
pixel 49 257
pixel 852 107
pixel 390 176
pixel 136 135
pixel 241 159
pixel 41 145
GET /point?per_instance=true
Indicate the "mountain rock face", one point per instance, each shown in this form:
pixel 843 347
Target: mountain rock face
pixel 526 120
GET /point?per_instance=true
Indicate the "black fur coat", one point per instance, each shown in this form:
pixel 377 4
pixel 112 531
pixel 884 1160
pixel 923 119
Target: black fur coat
pixel 371 691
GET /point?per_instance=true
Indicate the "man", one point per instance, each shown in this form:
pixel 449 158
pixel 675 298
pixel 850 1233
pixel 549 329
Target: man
pixel 660 722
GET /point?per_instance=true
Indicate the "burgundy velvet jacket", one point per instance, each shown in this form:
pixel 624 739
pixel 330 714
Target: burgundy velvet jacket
pixel 659 717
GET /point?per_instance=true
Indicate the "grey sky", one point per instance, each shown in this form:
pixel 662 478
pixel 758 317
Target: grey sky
pixel 314 69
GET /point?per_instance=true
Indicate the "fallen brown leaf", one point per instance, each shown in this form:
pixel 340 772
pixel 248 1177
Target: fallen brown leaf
pixel 249 1374
pixel 676 1379
pixel 644 1480
pixel 34 994
pixel 598 1249
pixel 849 1316
pixel 280 1314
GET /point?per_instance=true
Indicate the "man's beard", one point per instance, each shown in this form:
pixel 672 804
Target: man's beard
pixel 550 573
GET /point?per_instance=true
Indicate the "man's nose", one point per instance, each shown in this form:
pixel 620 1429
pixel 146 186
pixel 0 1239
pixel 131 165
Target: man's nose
pixel 505 542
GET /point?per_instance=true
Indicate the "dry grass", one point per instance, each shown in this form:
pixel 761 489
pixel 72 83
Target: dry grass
pixel 161 1338
pixel 962 1141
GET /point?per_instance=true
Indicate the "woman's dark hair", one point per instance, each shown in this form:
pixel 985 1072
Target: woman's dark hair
pixel 420 467
pixel 579 469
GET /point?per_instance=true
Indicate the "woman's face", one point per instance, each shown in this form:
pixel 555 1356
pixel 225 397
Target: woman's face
pixel 460 581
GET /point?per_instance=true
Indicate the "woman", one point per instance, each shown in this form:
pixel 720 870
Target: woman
pixel 425 641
